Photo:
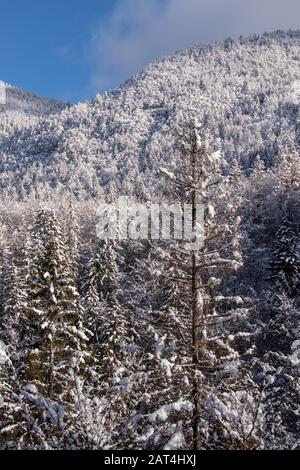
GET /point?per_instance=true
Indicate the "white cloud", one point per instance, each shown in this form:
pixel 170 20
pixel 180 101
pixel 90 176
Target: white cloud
pixel 140 31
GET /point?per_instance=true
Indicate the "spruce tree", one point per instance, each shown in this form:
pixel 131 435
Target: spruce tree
pixel 55 352
pixel 208 323
pixel 281 373
pixel 285 262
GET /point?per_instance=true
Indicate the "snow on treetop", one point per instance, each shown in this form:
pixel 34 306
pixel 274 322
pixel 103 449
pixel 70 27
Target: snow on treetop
pixel 3 356
pixel 295 95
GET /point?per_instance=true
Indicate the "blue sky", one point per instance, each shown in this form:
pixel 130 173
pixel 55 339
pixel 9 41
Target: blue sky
pixel 44 44
pixel 72 49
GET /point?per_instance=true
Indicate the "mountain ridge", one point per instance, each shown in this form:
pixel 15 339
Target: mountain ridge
pixel 24 109
pixel 240 90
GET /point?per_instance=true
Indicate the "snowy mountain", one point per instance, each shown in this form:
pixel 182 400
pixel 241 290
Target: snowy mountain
pixel 146 344
pixel 23 109
pixel 244 92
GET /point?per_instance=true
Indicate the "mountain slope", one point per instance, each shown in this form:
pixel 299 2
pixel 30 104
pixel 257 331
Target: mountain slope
pixel 242 91
pixel 24 109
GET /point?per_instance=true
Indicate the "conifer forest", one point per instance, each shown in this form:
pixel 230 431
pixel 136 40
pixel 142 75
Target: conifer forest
pixel 141 343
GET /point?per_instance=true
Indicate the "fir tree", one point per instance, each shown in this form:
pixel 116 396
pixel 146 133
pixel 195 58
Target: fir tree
pixel 285 262
pixel 281 373
pixel 187 383
pixel 55 350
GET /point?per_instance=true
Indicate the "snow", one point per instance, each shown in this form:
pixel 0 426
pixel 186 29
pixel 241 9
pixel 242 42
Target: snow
pixel 159 346
pixel 295 358
pixel 295 95
pixel 234 315
pixel 176 442
pixel 54 411
pixel 167 367
pixel 214 282
pixel 162 414
pixel 3 356
pixel 198 141
pixel 108 135
pixel 82 335
pixel 31 388
pixel 37 311
pixel 222 261
pixel 216 156
pixel 200 300
pixel 211 211
pixel 2 93
pixel 231 368
pixel 296 345
pixel 237 299
pixel 219 408
pixel 167 173
pixel 111 146
pixel 8 429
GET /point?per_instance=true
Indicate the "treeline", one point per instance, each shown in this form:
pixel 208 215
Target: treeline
pixel 148 344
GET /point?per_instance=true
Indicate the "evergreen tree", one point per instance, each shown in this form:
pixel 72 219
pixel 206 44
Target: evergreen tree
pixel 55 349
pixel 72 230
pixel 110 325
pixel 285 262
pixel 187 383
pixel 281 373
pixel 15 280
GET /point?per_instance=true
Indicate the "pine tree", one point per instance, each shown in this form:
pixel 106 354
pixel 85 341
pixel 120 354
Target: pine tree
pixel 287 166
pixel 285 262
pixel 15 422
pixel 55 348
pixel 72 230
pixel 281 373
pixel 109 322
pixel 16 268
pixel 107 316
pixel 190 382
pixel 7 414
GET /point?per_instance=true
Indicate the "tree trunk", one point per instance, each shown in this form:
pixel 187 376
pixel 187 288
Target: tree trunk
pixel 195 321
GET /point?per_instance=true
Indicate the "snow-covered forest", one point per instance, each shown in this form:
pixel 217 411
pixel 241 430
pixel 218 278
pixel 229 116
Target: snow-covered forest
pixel 145 344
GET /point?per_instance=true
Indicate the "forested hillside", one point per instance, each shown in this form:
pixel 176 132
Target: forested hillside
pixel 243 92
pixel 23 109
pixel 123 344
